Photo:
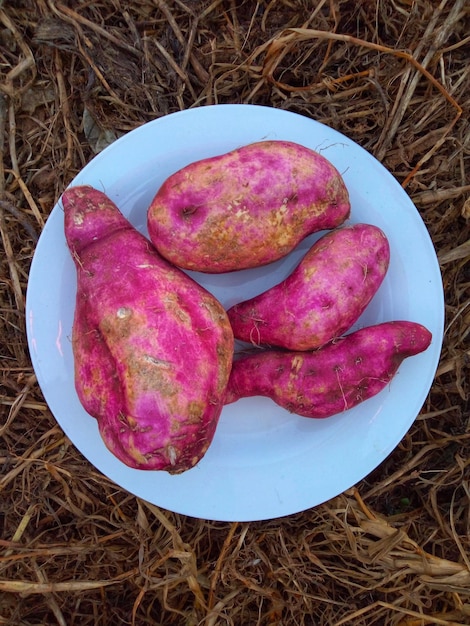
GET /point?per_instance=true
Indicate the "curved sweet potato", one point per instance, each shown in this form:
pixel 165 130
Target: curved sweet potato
pixel 152 348
pixel 333 378
pixel 323 296
pixel 246 208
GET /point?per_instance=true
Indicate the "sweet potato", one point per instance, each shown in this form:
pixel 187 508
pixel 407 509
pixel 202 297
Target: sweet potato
pixel 323 296
pixel 334 378
pixel 152 348
pixel 246 208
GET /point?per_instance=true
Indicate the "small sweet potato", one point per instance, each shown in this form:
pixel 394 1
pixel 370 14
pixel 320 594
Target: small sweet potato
pixel 323 296
pixel 334 378
pixel 152 348
pixel 246 208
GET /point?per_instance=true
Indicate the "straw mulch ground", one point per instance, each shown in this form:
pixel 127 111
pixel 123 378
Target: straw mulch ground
pixel 77 550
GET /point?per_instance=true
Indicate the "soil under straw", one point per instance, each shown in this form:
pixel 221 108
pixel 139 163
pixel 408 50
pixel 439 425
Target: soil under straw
pixel 393 75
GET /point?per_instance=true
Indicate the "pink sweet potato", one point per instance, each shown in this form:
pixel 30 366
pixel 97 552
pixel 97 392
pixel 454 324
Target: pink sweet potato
pixel 152 349
pixel 334 378
pixel 324 295
pixel 246 208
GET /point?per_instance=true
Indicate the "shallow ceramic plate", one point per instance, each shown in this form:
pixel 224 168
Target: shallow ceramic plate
pixel 264 462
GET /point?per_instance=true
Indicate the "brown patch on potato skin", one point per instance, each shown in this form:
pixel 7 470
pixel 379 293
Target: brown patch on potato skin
pixel 246 208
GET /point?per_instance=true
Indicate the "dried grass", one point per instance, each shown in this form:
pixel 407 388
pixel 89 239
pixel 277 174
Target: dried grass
pixel 74 548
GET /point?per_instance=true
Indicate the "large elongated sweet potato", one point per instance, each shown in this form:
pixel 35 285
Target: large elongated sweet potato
pixel 324 295
pixel 152 349
pixel 247 207
pixel 333 378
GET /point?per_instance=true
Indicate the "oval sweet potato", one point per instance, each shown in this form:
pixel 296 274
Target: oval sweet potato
pixel 246 208
pixel 152 348
pixel 323 296
pixel 334 378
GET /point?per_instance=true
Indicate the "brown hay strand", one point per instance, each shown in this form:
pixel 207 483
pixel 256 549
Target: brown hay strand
pixel 75 548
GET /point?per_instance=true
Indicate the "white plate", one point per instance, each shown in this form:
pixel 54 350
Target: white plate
pixel 264 462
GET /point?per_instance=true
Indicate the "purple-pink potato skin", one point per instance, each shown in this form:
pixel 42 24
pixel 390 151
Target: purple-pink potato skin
pixel 334 378
pixel 322 297
pixel 246 208
pixel 152 349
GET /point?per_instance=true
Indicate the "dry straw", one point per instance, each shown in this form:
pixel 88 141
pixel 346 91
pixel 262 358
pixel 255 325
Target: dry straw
pixel 74 548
